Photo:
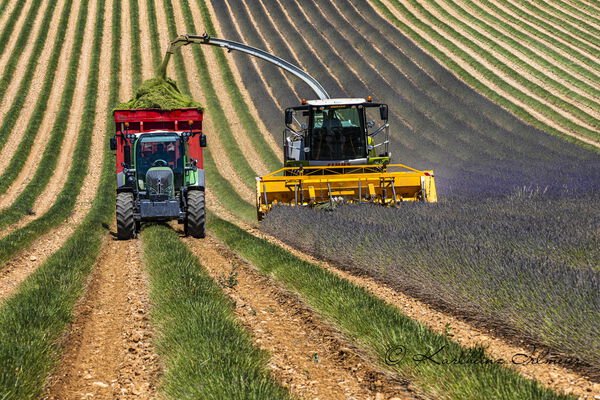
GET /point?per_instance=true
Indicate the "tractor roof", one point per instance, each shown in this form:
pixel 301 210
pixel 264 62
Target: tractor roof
pixel 336 102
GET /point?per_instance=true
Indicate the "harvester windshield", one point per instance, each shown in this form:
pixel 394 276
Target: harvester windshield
pixel 337 134
pixel 164 151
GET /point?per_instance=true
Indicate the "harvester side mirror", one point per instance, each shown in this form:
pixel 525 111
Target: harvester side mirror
pixel 289 117
pixel 113 143
pixel 202 140
pixel 370 124
pixel 383 113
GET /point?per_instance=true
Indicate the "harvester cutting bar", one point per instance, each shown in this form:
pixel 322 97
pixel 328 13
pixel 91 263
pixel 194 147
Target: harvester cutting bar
pixel 310 186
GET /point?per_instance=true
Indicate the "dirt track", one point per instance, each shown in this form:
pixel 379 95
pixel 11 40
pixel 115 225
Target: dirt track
pixel 109 351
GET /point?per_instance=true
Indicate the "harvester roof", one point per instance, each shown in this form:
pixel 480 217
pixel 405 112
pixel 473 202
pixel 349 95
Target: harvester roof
pixel 336 102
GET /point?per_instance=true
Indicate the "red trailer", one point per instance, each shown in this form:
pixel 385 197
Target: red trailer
pixel 160 172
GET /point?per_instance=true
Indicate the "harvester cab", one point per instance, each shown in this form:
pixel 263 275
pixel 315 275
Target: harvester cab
pixel 160 175
pixel 336 132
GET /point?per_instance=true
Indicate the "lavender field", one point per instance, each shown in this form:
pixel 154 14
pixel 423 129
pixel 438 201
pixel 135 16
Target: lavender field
pixel 529 260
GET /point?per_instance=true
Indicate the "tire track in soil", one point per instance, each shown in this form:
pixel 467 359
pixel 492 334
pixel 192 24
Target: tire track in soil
pixel 295 337
pixel 23 264
pixel 224 165
pixel 108 349
pixel 45 127
pixel 17 77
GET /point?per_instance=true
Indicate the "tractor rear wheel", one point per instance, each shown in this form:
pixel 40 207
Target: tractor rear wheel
pixel 195 217
pixel 125 223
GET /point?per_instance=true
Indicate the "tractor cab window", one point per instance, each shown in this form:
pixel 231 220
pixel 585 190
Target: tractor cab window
pixel 337 134
pixel 160 151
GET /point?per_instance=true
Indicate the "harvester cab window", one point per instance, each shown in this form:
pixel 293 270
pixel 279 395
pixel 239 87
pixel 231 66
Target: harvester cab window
pixel 337 134
pixel 160 151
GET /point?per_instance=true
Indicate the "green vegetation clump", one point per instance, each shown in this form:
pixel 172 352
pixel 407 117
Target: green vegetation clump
pixel 159 93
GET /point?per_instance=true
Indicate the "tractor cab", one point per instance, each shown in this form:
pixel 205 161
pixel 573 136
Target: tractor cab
pixel 159 164
pixel 336 132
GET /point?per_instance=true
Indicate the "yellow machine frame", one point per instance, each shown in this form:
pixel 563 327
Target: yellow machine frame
pixel 363 183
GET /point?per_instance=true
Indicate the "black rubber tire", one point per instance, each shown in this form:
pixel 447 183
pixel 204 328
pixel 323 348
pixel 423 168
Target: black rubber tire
pixel 195 214
pixel 125 223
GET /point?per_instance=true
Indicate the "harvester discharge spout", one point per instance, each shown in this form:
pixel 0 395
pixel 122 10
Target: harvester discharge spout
pixel 333 150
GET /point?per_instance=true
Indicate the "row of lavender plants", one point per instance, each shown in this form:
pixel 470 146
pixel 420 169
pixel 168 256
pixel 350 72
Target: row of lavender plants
pixel 528 261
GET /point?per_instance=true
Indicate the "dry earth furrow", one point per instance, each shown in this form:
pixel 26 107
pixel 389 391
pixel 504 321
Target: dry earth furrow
pixel 147 67
pixel 23 264
pixel 511 12
pixel 163 31
pixel 507 78
pixel 8 11
pixel 17 77
pixel 225 166
pixel 12 40
pixel 32 97
pixel 499 87
pixel 238 129
pixel 293 334
pixel 563 26
pixel 555 8
pixel 267 83
pixel 109 347
pixel 593 110
pixel 126 88
pixel 45 127
pixel 552 376
pixel 246 95
pixel 67 153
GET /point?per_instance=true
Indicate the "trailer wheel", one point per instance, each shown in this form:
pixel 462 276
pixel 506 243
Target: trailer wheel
pixel 195 217
pixel 125 223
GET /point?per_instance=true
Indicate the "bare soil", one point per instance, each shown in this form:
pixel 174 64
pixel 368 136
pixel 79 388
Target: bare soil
pixel 12 40
pixel 307 356
pixel 126 89
pixel 145 43
pixel 108 349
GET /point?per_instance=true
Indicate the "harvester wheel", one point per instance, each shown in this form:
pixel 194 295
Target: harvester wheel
pixel 195 214
pixel 125 223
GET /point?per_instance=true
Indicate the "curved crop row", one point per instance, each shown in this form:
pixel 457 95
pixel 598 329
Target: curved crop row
pixel 32 320
pixel 515 41
pixel 24 34
pixel 136 52
pixel 12 115
pixel 23 150
pixel 450 26
pixel 12 21
pixel 196 324
pixel 462 73
pixel 65 201
pixel 528 32
pixel 45 168
pixel 250 125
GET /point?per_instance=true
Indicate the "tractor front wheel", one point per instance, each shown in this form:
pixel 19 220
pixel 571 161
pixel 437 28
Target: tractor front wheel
pixel 125 223
pixel 195 214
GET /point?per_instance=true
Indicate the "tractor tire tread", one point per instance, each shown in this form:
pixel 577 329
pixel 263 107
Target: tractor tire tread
pixel 196 216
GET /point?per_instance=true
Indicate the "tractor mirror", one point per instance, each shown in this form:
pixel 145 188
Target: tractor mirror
pixel 202 140
pixel 289 117
pixel 113 143
pixel 383 112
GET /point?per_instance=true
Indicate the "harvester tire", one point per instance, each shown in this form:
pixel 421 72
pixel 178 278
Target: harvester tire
pixel 195 214
pixel 126 226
